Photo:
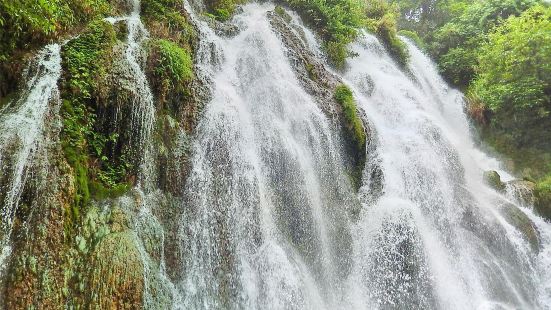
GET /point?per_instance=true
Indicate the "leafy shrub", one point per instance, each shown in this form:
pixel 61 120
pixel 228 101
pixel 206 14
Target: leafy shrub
pixel 222 10
pixel 29 24
pixel 514 77
pixel 175 63
pixel 455 45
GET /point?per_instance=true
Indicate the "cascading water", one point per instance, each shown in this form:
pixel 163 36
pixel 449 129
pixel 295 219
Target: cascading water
pixel 261 227
pixel 437 237
pixel 22 125
pixel 138 204
pixel 265 223
pixel 143 114
pixel 269 218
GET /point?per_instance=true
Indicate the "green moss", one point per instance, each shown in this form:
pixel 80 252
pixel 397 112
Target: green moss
pixel 222 10
pixel 27 22
pixel 280 11
pixel 85 60
pixel 355 130
pixel 542 194
pixel 166 19
pixel 386 32
pixel 493 179
pixel 336 21
pixel 343 95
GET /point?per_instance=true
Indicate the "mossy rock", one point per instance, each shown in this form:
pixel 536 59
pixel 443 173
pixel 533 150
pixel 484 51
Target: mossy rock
pixel 523 191
pixel 493 179
pixel 542 197
pixel 520 221
pixel 116 276
pixel 355 130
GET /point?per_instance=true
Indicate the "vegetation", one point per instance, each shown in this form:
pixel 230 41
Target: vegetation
pixel 382 21
pixel 543 197
pixel 85 60
pixel 29 24
pixel 222 10
pixel 166 19
pixel 344 96
pixel 499 52
pixel 173 64
pixel 454 30
pixel 338 22
pixel 354 129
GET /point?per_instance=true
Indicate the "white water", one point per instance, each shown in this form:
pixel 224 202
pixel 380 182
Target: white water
pixel 22 132
pixel 143 105
pixel 267 195
pixel 266 222
pixel 138 204
pixel 437 237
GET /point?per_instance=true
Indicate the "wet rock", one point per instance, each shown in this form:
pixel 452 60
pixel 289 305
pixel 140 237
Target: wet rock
pixel 542 201
pixel 522 190
pixel 493 180
pixel 116 273
pixel 312 74
pixel 322 85
pixel 514 216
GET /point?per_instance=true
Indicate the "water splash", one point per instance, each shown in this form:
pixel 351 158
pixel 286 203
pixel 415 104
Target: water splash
pixel 22 134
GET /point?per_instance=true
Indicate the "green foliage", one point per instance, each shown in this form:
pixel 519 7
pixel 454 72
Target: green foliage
pixel 175 65
pixel 31 22
pixel 165 19
pixel 455 45
pixel 336 21
pixel 354 130
pixel 381 19
pixel 514 78
pixel 222 10
pixel 354 125
pixel 85 60
pixel 515 64
pixel 542 194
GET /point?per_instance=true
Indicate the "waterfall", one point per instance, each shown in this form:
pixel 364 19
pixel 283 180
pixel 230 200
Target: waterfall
pixel 22 133
pixel 438 237
pixel 138 204
pixel 265 223
pixel 270 218
pixel 143 106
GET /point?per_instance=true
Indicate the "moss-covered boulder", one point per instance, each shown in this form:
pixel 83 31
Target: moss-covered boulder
pixel 332 96
pixel 522 190
pixel 493 179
